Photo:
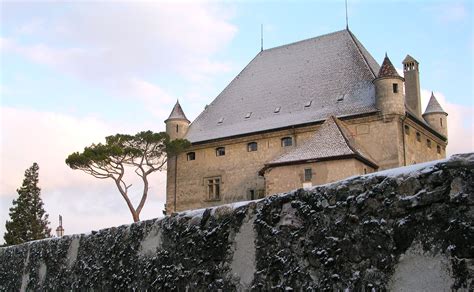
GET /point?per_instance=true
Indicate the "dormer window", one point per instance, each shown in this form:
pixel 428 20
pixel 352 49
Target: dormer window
pixel 308 103
pixel 248 115
pixel 277 109
pixel 221 120
pixel 340 98
pixel 287 141
pixel 395 87
pixel 220 151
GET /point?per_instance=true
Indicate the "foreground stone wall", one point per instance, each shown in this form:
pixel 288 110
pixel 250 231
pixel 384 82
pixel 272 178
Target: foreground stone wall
pixel 400 230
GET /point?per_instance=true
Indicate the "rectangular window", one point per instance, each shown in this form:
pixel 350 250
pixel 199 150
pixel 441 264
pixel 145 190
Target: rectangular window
pixel 220 151
pixel 191 156
pixel 308 174
pixel 438 149
pixel 252 194
pixel 428 143
pixel 395 88
pixel 287 141
pixel 252 146
pixel 418 137
pixel 214 188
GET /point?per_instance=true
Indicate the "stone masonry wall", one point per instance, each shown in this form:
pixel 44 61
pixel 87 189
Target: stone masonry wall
pixel 400 230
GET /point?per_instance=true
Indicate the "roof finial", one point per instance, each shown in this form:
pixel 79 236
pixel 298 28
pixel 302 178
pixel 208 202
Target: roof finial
pixel 347 19
pixel 261 37
pixel 386 55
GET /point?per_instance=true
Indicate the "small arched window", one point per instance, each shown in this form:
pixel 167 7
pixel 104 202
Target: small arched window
pixel 438 149
pixel 287 141
pixel 252 146
pixel 418 136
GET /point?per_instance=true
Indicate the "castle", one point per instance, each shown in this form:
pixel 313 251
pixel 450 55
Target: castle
pixel 300 115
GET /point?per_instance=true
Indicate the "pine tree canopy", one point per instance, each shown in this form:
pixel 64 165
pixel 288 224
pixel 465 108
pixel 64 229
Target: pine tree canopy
pixel 28 220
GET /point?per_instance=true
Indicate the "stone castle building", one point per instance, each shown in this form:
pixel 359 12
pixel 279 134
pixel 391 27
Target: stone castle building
pixel 299 115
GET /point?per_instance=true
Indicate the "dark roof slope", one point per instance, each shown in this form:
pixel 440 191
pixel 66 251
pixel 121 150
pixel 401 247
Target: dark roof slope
pixel 295 84
pixel 177 113
pixel 387 69
pixel 331 140
pixel 433 106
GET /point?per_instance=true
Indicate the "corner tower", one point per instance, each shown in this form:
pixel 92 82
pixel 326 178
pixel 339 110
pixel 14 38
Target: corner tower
pixel 388 90
pixel 436 117
pixel 412 84
pixel 177 124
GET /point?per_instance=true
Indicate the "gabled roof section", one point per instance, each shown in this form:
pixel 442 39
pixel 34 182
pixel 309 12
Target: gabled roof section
pixel 331 74
pixel 177 113
pixel 434 106
pixel 387 69
pixel 331 140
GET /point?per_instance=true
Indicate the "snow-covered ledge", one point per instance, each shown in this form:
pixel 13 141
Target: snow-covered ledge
pixel 404 229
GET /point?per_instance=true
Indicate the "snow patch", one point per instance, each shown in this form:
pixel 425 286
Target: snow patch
pixel 243 260
pixel 72 251
pixel 42 273
pixel 421 271
pixel 152 241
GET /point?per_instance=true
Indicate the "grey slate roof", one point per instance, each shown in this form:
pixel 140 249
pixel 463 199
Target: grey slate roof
pixel 331 140
pixel 177 113
pixel 333 73
pixel 387 69
pixel 433 106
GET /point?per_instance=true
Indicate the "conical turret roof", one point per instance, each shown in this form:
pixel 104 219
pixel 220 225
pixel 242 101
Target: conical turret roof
pixel 177 113
pixel 434 106
pixel 387 69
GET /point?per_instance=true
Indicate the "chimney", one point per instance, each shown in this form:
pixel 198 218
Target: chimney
pixel 412 85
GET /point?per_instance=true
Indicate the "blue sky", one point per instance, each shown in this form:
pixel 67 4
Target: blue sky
pixel 73 72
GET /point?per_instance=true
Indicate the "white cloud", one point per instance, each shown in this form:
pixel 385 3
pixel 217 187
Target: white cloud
pixel 133 39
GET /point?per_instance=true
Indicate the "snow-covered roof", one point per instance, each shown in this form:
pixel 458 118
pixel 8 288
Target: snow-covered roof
pixel 331 140
pixel 177 113
pixel 434 106
pixel 294 84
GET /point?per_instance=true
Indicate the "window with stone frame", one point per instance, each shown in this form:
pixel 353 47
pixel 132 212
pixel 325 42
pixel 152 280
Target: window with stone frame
pixel 213 185
pixel 252 146
pixel 308 174
pixel 286 141
pixel 220 151
pixel 191 156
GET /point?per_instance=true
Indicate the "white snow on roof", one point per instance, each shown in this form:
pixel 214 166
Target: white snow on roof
pixel 320 69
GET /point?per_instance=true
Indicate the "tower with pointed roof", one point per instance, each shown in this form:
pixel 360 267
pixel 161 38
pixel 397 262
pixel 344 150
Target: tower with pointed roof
pixel 436 117
pixel 389 97
pixel 412 85
pixel 177 124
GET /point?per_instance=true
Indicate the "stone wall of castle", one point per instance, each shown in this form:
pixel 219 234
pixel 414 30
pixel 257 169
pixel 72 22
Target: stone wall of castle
pixel 407 229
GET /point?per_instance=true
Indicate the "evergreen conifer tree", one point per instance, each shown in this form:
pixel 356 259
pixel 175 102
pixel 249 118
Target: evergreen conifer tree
pixel 28 219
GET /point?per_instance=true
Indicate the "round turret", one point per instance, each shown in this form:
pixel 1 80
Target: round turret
pixel 436 117
pixel 177 124
pixel 389 97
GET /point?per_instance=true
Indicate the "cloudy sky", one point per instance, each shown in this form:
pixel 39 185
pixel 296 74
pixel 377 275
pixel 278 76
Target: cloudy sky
pixel 74 72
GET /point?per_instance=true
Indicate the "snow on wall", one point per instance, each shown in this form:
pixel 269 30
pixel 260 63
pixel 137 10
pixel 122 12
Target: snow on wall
pixel 404 230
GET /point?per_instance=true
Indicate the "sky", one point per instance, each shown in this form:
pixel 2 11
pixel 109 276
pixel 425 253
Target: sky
pixel 74 72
